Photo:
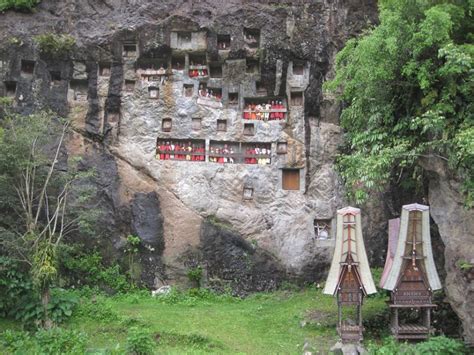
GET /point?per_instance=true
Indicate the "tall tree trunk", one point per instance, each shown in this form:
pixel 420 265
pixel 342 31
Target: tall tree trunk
pixel 45 298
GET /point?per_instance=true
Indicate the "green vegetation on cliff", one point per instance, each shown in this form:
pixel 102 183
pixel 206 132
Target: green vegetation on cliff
pixel 408 88
pixel 19 5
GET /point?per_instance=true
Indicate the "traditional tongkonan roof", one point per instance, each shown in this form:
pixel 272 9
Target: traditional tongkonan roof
pixel 410 237
pixel 349 245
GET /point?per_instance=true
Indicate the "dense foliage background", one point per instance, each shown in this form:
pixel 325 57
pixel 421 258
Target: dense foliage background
pixel 407 89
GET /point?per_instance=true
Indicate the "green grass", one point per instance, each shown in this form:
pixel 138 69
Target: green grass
pixel 261 324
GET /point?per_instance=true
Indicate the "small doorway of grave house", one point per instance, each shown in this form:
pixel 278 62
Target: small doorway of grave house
pixel 290 179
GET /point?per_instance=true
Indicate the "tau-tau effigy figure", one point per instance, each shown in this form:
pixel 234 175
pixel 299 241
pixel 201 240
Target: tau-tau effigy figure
pixel 349 277
pixel 410 273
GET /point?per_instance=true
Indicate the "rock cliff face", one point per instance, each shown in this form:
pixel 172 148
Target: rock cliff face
pixel 136 81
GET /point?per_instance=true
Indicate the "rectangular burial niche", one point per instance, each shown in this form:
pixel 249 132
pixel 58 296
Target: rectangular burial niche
pixel 223 42
pixel 27 67
pixel 55 76
pixel 282 148
pixel 298 68
pixel 80 88
pixel 223 152
pixel 153 92
pixel 178 62
pixel 221 125
pixel 296 98
pixel 247 193
pixel 129 85
pixel 129 50
pixel 214 93
pixel 196 123
pixel 104 69
pixel 188 90
pixel 10 88
pixel 290 179
pixel 261 90
pixel 166 125
pixel 249 129
pixel 184 38
pixel 252 37
pixel 267 108
pixel 181 149
pixel 252 66
pixel 198 65
pixel 233 98
pixel 197 59
pixel 322 228
pixel 215 70
pixel 257 153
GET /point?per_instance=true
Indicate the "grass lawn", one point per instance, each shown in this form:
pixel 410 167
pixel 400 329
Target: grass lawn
pixel 274 323
pixel 261 324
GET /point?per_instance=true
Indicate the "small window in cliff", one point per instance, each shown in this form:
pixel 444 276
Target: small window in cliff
pixel 184 38
pixel 252 37
pixel 233 98
pixel 196 123
pixel 177 62
pixel 79 88
pixel 129 50
pixel 129 85
pixel 282 148
pixel 296 98
pixel 188 90
pixel 223 42
pixel 104 69
pixel 27 67
pixel 298 68
pixel 252 66
pixel 248 193
pixel 166 125
pixel 10 88
pixel 196 59
pixel 55 77
pixel 216 70
pixel 290 179
pixel 153 92
pixel 249 129
pixel 322 228
pixel 221 125
pixel 261 90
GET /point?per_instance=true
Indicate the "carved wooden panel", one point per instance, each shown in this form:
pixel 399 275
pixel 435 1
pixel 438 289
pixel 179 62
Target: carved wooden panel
pixel 350 288
pixel 412 288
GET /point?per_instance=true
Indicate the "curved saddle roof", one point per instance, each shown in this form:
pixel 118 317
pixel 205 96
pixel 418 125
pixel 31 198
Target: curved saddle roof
pixel 349 241
pixel 404 233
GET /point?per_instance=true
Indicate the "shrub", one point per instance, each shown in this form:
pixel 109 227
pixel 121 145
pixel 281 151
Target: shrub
pixel 55 45
pixel 195 275
pixel 96 308
pixel 139 341
pixel 88 269
pixel 14 286
pixel 433 346
pixel 52 341
pixel 29 309
pixel 19 5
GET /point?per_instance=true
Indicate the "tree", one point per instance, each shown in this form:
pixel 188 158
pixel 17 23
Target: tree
pixel 407 92
pixel 39 184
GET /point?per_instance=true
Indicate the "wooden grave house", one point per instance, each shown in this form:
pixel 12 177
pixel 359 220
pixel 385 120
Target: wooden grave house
pixel 410 274
pixel 349 278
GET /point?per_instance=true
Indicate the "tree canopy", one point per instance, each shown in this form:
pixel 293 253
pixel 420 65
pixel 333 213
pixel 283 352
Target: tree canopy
pixel 407 92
